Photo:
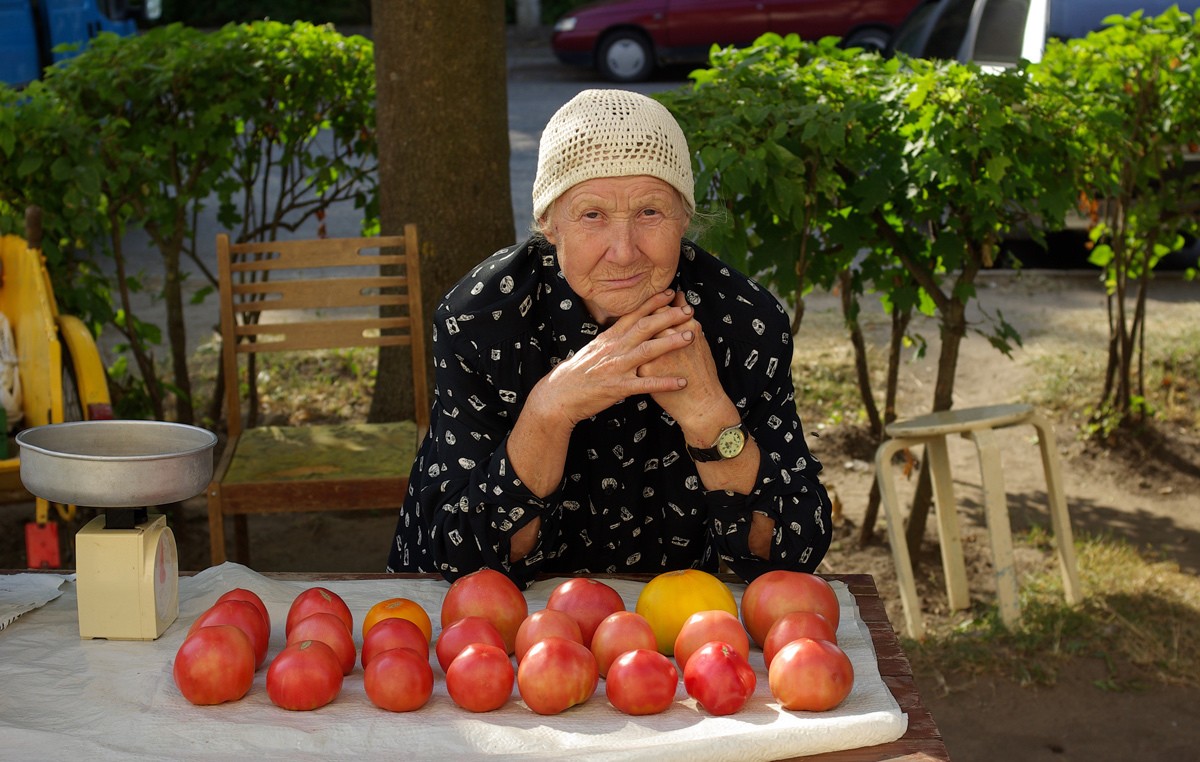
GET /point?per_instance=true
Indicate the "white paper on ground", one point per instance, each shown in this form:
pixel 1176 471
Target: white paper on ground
pixel 118 699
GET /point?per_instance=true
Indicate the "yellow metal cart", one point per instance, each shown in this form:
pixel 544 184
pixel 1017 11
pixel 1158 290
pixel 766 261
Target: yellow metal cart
pixel 61 377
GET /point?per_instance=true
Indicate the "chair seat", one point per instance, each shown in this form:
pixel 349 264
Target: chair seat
pixel 306 453
pixel 342 467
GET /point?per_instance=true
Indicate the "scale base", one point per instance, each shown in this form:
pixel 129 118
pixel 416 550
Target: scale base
pixel 127 579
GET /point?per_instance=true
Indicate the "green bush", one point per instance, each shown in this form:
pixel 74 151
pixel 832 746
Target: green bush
pixel 145 131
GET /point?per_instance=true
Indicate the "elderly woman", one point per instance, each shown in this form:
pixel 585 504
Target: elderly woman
pixel 610 397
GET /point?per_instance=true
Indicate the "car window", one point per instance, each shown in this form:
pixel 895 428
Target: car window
pixel 1001 30
pixel 950 21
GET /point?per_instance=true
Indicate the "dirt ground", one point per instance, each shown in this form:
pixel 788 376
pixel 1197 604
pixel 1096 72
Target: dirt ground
pixel 1147 495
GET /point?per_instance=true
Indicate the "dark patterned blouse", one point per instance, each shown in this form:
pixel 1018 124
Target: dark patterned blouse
pixel 630 499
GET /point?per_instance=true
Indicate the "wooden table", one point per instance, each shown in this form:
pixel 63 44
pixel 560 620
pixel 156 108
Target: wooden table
pixel 921 741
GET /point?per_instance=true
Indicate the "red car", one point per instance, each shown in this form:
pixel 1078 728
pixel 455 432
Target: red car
pixel 626 39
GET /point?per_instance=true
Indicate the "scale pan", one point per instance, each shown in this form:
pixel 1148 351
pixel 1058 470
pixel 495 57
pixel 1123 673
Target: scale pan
pixel 116 464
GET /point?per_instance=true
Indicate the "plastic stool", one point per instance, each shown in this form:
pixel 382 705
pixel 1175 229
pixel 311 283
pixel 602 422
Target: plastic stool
pixel 977 424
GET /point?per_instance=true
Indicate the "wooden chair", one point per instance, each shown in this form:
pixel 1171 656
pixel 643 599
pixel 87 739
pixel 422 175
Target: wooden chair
pixel 299 296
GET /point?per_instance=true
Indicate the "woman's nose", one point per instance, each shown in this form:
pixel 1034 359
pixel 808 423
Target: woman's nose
pixel 623 247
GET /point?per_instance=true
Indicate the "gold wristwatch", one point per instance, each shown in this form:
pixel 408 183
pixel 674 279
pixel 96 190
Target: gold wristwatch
pixel 729 444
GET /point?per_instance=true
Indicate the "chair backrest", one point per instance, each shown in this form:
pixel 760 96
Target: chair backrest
pixel 320 294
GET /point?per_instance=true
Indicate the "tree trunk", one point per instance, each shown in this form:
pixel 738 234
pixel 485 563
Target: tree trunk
pixel 900 321
pixel 442 123
pixel 862 369
pixel 954 329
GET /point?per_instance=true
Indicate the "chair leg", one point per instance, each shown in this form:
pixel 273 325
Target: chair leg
pixel 895 530
pixel 949 535
pixel 999 527
pixel 1060 518
pixel 241 542
pixel 216 527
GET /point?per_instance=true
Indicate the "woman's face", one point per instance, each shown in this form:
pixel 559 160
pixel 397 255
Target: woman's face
pixel 617 240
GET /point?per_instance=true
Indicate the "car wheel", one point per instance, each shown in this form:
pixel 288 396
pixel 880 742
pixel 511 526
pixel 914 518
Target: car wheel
pixel 626 56
pixel 869 39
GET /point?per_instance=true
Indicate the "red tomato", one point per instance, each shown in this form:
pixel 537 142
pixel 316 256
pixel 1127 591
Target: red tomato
pixel 215 664
pixel 557 674
pixel 399 679
pixel 588 601
pixel 719 678
pixel 619 632
pixel 393 632
pixel 641 681
pixel 480 678
pixel 707 626
pixel 242 594
pixel 464 632
pixel 317 599
pixel 544 624
pixel 810 675
pixel 491 595
pixel 330 630
pixel 777 592
pixel 304 675
pixel 243 615
pixel 793 625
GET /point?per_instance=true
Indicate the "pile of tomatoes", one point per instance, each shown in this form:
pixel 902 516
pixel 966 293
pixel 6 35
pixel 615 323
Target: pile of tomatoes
pixel 489 641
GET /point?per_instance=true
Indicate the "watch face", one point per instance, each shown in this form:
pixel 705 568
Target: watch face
pixel 731 442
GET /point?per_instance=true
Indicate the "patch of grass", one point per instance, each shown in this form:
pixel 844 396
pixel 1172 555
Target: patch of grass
pixel 1072 378
pixel 317 386
pixel 1139 614
pixel 826 386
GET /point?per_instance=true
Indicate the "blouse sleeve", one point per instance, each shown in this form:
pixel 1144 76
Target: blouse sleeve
pixel 787 489
pixel 470 500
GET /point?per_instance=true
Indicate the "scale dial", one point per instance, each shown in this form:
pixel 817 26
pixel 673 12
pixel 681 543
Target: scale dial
pixel 166 580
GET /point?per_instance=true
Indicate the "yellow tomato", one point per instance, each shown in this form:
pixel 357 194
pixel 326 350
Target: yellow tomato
pixel 670 598
pixel 401 608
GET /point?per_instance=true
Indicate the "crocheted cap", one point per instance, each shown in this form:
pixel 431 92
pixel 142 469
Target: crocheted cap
pixel 611 133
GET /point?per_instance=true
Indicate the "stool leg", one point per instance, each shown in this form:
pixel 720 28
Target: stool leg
pixel 895 529
pixel 1060 519
pixel 999 528
pixel 949 536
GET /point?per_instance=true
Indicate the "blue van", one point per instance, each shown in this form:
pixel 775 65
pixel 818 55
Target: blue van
pixel 30 30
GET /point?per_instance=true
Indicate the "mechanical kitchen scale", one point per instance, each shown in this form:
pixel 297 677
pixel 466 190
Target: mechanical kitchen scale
pixel 127 565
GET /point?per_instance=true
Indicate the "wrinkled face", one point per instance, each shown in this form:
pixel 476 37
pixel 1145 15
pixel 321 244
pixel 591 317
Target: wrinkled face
pixel 617 240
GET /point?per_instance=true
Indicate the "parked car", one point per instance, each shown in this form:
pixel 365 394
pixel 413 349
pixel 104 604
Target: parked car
pixel 1070 19
pixel 992 33
pixel 31 31
pixel 626 40
pixel 999 33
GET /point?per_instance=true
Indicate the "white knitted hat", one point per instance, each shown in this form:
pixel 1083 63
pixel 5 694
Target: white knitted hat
pixel 611 133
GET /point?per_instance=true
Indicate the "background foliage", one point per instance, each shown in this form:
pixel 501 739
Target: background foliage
pixel 267 123
pixel 885 179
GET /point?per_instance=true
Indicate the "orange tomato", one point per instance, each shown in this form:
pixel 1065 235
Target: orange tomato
pixel 401 608
pixel 670 598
